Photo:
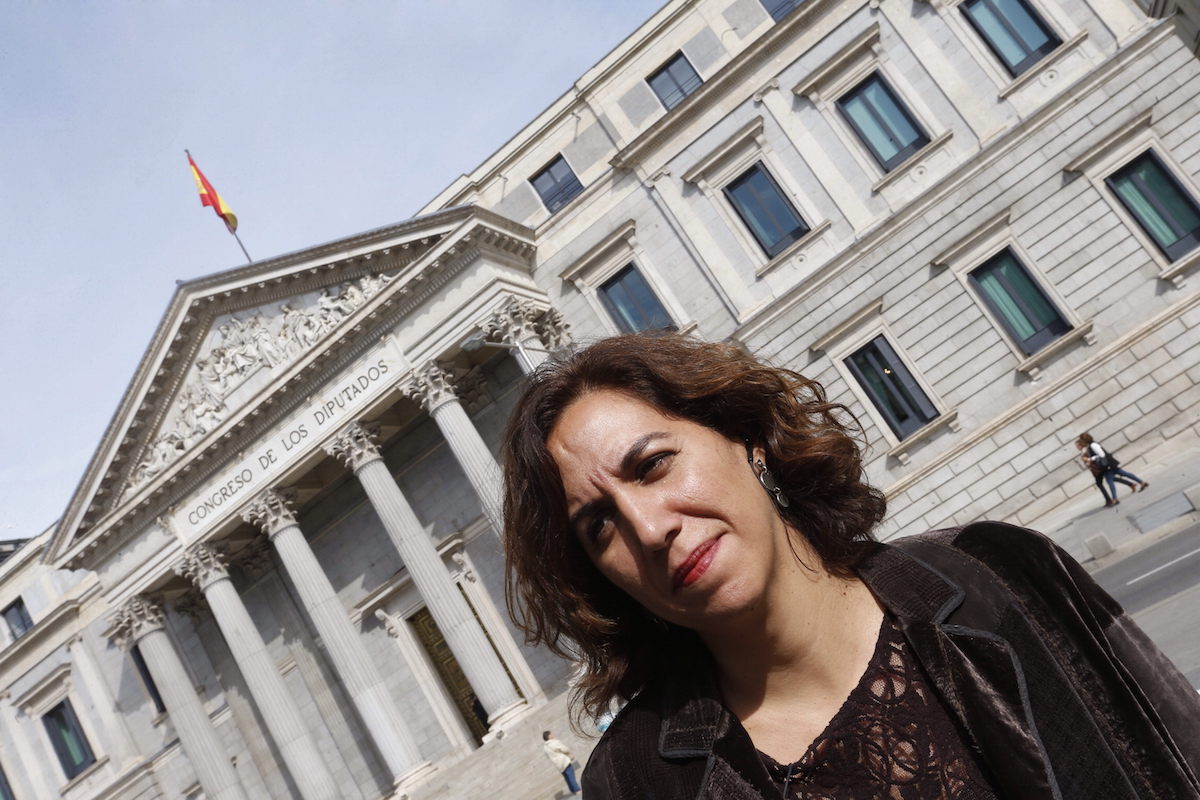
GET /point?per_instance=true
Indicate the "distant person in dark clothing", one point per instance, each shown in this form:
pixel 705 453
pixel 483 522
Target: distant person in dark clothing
pixel 1098 456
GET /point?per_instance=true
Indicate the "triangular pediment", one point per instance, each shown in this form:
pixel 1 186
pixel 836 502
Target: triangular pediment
pixel 240 354
pixel 227 338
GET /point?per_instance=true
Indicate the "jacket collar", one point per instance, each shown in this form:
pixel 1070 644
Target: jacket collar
pixel 695 724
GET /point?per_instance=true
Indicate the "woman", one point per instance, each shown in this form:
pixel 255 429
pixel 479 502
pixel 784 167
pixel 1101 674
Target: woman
pixel 1095 455
pixel 693 527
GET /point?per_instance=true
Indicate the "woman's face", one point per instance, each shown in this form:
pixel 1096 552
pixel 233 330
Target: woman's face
pixel 670 511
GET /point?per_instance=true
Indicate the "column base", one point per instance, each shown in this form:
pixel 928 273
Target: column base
pixel 504 718
pixel 411 779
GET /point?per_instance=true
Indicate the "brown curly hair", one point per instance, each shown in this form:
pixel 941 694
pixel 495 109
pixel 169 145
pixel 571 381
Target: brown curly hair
pixel 556 595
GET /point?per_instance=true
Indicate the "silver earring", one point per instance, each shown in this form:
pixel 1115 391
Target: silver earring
pixel 767 479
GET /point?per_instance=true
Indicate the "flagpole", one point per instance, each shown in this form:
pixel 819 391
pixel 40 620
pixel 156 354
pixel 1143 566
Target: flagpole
pixel 249 260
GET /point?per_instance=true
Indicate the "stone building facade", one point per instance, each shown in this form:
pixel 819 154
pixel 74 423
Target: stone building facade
pixel 975 221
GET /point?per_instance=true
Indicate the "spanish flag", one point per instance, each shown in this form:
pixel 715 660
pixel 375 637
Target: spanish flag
pixel 209 196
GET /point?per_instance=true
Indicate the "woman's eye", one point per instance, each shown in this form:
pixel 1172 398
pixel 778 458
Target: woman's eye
pixel 597 526
pixel 653 465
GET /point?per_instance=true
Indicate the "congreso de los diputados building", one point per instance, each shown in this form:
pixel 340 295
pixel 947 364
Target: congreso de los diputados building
pixel 976 222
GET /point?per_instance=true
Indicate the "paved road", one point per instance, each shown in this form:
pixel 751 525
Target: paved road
pixel 1160 587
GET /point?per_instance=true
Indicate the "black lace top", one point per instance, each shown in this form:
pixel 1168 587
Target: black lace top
pixel 892 739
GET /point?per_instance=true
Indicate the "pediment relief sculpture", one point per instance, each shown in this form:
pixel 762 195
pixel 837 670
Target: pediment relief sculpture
pixel 240 347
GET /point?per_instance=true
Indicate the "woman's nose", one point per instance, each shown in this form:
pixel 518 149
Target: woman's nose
pixel 653 521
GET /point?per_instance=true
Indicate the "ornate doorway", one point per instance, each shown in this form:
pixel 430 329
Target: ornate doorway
pixel 450 673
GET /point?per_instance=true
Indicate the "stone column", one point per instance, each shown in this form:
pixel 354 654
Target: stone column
pixel 432 388
pixel 531 333
pixel 206 568
pixel 36 754
pixel 141 622
pixel 123 748
pixel 272 512
pixel 355 446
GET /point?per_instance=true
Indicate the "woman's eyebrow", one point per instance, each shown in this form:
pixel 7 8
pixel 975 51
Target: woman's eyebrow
pixel 635 450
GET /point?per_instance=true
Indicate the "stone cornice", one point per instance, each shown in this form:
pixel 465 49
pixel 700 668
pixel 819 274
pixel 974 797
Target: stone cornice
pixel 481 232
pixel 996 149
pixel 718 86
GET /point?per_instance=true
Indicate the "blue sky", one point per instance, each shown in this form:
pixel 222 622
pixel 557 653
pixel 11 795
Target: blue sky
pixel 314 120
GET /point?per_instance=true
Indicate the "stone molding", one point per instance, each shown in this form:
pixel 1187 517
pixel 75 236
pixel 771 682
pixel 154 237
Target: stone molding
pixel 270 511
pixel 355 446
pixel 135 618
pixel 203 565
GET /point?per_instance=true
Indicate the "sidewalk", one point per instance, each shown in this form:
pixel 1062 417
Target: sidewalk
pixel 1096 535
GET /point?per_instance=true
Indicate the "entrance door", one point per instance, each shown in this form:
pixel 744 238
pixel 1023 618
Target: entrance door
pixel 468 705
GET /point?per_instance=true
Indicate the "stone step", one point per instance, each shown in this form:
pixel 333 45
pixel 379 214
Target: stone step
pixel 512 767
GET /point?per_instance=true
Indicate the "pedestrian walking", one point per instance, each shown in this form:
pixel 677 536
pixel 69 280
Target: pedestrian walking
pixel 693 526
pixel 562 760
pixel 1097 455
pixel 1098 473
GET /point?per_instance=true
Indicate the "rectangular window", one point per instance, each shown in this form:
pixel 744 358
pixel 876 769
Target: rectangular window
pixel 675 81
pixel 778 9
pixel 70 745
pixel 765 210
pixel 556 184
pixel 6 792
pixel 1159 204
pixel 147 679
pixel 17 617
pixel 1020 304
pixel 1012 30
pixel 883 124
pixel 891 387
pixel 632 303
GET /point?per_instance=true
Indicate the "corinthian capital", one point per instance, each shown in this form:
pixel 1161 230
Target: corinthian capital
pixel 133 620
pixel 513 322
pixel 270 511
pixel 554 331
pixel 430 386
pixel 202 565
pixel 354 446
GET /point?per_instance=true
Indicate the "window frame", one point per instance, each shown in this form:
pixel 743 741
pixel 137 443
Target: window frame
pixel 1111 152
pixel 1030 345
pixel 732 157
pixel 574 186
pixel 1188 242
pixel 897 365
pixel 791 237
pixel 851 334
pixel 1033 57
pixel 606 258
pixel 904 153
pixel 60 746
pixel 845 70
pixel 665 69
pixel 989 239
pixel 602 291
pixel 17 605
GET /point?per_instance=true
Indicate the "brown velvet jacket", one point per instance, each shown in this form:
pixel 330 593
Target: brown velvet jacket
pixel 1059 693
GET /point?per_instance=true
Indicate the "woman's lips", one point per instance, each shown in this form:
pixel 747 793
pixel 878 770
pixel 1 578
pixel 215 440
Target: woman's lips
pixel 696 564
